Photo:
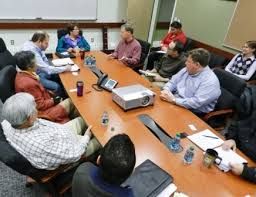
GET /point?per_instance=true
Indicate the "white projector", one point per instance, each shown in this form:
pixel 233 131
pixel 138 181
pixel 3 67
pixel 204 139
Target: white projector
pixel 133 96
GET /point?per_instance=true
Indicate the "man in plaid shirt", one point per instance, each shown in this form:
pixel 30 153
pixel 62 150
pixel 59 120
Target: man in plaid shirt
pixel 45 144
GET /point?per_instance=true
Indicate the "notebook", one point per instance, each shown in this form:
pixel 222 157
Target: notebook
pixel 228 156
pixel 148 180
pixel 206 139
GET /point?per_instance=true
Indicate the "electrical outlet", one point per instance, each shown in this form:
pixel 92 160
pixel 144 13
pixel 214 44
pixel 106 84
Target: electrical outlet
pixel 12 42
pixel 92 39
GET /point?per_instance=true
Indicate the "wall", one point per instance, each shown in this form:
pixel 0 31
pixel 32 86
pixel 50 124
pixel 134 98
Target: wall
pixel 206 20
pixel 116 12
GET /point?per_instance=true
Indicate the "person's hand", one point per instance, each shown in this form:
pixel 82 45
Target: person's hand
pixel 68 68
pixel 164 48
pixel 123 59
pixel 158 78
pixel 88 131
pixel 70 50
pixel 110 56
pixel 167 96
pixel 236 168
pixel 229 144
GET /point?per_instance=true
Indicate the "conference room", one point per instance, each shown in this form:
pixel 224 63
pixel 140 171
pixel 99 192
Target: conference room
pixel 127 98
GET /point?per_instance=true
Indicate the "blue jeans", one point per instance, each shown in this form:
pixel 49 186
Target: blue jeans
pixel 52 83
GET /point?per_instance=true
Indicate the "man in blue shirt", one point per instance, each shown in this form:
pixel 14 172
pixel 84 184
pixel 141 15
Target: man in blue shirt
pixel 48 74
pixel 115 164
pixel 195 87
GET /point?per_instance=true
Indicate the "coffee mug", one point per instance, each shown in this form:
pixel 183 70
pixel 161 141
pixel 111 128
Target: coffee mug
pixel 210 157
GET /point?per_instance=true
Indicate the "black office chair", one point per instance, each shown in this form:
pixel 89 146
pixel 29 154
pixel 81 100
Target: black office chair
pixel 228 103
pixel 63 32
pixel 6 57
pixel 7 80
pixel 217 61
pixel 189 45
pixel 145 47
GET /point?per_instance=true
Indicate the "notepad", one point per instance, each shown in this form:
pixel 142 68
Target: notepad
pixel 62 62
pixel 228 156
pixel 168 191
pixel 206 139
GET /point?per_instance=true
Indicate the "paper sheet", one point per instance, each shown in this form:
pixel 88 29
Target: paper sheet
pixel 204 142
pixel 228 157
pixel 168 191
pixel 62 62
pixel 147 73
pixel 74 68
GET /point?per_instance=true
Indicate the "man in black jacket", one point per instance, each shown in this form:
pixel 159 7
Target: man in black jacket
pixel 242 134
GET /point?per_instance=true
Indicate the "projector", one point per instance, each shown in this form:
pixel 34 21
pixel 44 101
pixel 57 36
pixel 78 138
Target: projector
pixel 133 96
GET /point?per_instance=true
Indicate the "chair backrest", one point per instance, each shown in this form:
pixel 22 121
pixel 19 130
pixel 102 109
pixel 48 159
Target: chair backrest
pixel 7 80
pixel 232 88
pixel 217 60
pixel 188 45
pixel 2 46
pixel 10 157
pixel 6 59
pixel 63 32
pixel 145 46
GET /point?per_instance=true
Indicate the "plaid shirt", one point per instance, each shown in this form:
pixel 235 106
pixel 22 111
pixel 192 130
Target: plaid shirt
pixel 46 145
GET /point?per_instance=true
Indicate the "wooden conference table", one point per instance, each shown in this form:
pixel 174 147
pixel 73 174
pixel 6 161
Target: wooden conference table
pixel 194 179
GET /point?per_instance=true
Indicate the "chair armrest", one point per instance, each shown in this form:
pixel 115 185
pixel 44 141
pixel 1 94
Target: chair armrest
pixel 62 169
pixel 252 82
pixel 218 113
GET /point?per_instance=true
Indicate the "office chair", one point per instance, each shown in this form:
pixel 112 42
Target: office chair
pixel 7 80
pixel 63 32
pixel 217 61
pixel 189 45
pixel 228 103
pixel 145 46
pixel 6 57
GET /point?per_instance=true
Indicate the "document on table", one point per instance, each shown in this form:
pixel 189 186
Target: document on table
pixel 147 73
pixel 168 191
pixel 206 139
pixel 228 156
pixel 74 68
pixel 62 62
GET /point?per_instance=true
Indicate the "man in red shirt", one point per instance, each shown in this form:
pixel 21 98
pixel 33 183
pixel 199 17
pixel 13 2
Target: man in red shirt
pixel 175 33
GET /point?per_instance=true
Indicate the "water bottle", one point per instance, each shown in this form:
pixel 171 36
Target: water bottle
pixel 104 118
pixel 189 155
pixel 93 60
pixel 175 143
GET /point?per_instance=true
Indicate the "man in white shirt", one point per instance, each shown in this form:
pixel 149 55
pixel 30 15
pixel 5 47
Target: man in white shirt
pixel 45 144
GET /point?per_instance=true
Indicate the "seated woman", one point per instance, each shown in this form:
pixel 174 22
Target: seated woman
pixel 6 57
pixel 72 42
pixel 28 81
pixel 243 64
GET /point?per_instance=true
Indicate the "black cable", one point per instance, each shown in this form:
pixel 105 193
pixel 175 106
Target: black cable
pixel 97 88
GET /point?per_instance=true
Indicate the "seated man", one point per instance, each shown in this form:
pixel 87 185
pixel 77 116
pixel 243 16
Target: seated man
pixel 129 49
pixel 244 137
pixel 47 73
pixel 46 145
pixel 169 64
pixel 72 42
pixel 28 81
pixel 195 87
pixel 175 33
pixel 115 165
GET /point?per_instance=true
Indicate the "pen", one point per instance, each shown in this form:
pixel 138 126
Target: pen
pixel 210 137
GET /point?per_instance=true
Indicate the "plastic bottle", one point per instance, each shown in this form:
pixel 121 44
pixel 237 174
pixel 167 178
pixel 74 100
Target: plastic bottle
pixel 189 155
pixel 175 143
pixel 104 118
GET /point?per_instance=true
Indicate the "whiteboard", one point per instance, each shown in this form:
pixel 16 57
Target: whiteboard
pixel 49 9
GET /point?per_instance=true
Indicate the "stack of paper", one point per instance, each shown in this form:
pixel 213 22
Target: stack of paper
pixel 62 62
pixel 206 139
pixel 228 157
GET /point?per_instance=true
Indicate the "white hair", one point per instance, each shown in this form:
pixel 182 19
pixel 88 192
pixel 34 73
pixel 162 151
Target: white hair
pixel 18 108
